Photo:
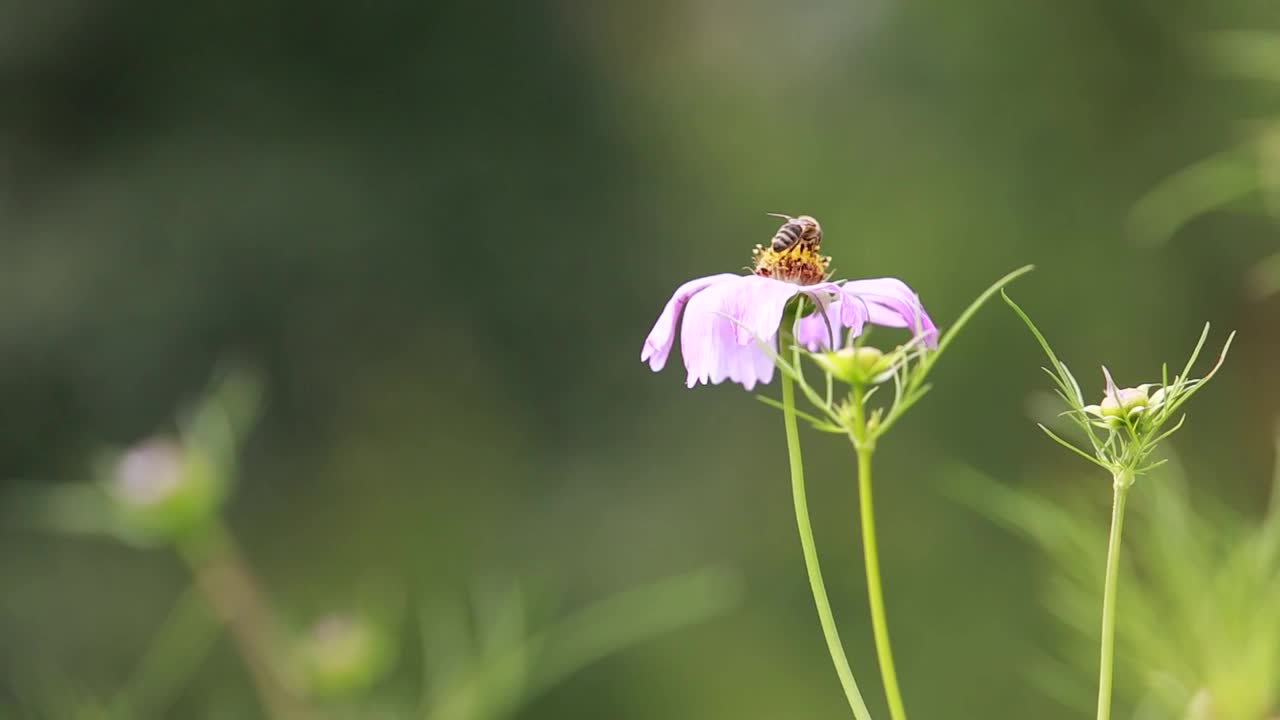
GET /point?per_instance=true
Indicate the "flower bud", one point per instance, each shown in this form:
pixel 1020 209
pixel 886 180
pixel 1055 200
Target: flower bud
pixel 163 490
pixel 342 655
pixel 1124 403
pixel 1121 404
pixel 855 365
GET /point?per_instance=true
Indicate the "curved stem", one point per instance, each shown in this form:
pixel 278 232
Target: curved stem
pixel 825 616
pixel 864 446
pixel 874 592
pixel 232 591
pixel 1109 599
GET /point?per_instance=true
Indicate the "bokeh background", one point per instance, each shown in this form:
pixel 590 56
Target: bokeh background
pixel 441 230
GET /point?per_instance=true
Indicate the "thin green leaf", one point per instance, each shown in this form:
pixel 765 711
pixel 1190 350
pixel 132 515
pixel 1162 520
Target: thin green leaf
pixel 1074 385
pixel 1148 468
pixel 1191 361
pixel 969 312
pixel 831 389
pixel 900 409
pixel 1170 431
pixel 817 422
pixel 1073 448
pixel 897 384
pixel 1194 386
pixel 1044 344
pixel 1064 388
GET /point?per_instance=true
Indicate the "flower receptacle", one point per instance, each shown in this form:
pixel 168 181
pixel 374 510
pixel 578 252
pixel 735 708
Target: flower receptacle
pixel 1121 405
pixel 856 365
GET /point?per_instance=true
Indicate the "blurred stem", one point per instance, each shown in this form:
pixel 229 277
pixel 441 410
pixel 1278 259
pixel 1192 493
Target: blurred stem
pixel 1122 482
pixel 182 643
pixel 864 447
pixel 825 616
pixel 227 584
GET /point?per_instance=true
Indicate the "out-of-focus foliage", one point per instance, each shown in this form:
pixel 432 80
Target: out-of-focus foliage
pixel 169 493
pixel 162 490
pixel 496 676
pixel 1250 170
pixel 442 228
pixel 1198 634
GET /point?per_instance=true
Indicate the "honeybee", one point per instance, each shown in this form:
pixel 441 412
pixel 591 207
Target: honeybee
pixel 803 231
pixel 792 255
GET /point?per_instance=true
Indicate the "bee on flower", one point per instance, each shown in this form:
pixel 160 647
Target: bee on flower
pixel 732 322
pixel 743 327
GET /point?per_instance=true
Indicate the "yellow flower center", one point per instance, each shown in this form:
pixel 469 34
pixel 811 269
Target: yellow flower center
pixel 799 264
pixel 793 254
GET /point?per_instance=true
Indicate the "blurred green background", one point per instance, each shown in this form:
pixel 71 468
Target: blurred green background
pixel 442 230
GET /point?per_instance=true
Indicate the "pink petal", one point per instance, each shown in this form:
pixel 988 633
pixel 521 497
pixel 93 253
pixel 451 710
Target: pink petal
pixel 657 347
pixel 1111 385
pixel 820 329
pixel 889 302
pixel 703 331
pixel 757 304
pixel 709 336
pixel 815 331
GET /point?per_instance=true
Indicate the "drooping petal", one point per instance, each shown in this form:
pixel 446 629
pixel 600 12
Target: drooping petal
pixel 706 334
pixel 762 363
pixel 855 316
pixel 745 364
pixel 823 326
pixel 891 303
pixel 696 341
pixel 825 329
pixel 657 347
pixel 820 329
pixel 756 305
pixel 709 337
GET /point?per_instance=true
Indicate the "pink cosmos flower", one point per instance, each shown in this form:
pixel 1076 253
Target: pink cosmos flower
pixel 726 316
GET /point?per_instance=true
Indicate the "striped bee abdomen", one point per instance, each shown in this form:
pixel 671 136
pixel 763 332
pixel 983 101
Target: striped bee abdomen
pixel 803 231
pixel 793 253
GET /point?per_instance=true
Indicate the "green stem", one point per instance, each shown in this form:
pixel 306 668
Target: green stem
pixel 224 579
pixel 864 447
pixel 825 616
pixel 1122 483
